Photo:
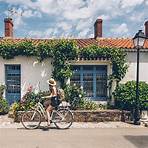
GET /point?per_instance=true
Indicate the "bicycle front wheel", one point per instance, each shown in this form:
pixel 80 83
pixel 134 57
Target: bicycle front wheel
pixel 31 119
pixel 63 118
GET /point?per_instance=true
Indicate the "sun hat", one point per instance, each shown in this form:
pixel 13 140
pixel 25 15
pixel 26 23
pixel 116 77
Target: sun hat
pixel 51 82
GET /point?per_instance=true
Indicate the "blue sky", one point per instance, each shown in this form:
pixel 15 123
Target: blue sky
pixel 74 18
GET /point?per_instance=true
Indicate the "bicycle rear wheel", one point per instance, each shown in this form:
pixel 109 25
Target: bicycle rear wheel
pixel 63 118
pixel 31 119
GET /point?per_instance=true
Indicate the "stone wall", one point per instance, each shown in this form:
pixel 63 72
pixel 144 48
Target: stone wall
pixel 100 116
pixel 93 116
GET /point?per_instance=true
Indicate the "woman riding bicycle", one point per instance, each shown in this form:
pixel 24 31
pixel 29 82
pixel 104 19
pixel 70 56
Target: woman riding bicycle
pixel 51 100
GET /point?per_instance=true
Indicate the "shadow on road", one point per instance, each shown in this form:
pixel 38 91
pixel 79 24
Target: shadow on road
pixel 138 141
pixel 43 128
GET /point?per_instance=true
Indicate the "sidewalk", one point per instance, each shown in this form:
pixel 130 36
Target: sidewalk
pixel 6 122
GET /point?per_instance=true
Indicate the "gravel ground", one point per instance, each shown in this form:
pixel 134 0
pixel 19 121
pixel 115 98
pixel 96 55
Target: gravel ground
pixel 6 122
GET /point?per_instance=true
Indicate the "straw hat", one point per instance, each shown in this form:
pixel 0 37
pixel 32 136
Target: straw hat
pixel 51 82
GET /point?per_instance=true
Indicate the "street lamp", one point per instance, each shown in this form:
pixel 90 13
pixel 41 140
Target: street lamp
pixel 138 41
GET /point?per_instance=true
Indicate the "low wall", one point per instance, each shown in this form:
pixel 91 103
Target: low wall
pixel 93 116
pixel 101 116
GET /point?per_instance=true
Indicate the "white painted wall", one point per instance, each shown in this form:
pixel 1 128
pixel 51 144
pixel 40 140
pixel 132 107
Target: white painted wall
pixel 32 72
pixel 132 63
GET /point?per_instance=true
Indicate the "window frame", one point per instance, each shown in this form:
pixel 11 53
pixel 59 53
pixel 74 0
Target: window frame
pixel 94 71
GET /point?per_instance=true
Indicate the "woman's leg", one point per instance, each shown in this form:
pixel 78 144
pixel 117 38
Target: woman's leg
pixel 49 110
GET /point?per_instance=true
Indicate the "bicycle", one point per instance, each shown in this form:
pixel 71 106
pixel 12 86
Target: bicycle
pixel 61 117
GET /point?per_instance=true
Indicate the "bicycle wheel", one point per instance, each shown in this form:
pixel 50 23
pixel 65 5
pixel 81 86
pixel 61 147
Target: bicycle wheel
pixel 63 118
pixel 31 119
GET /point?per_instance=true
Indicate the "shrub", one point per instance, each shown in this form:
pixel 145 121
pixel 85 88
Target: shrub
pixel 28 101
pixel 75 96
pixel 125 95
pixel 87 104
pixel 2 88
pixel 16 106
pixel 4 107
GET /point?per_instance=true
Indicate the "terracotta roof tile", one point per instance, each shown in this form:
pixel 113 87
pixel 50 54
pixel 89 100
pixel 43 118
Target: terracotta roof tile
pixel 125 43
pixel 119 43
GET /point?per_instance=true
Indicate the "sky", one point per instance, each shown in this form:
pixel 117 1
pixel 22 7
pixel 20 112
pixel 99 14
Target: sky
pixel 74 18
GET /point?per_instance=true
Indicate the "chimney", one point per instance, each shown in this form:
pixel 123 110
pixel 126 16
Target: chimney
pixel 98 28
pixel 8 27
pixel 146 28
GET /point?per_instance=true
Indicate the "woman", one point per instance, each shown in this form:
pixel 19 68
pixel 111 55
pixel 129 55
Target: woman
pixel 52 99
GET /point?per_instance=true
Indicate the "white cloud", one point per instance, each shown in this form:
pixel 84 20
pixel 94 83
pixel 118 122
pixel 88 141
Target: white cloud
pixel 83 24
pixel 104 17
pixel 146 2
pixel 47 33
pixel 84 33
pixel 19 2
pixel 64 26
pixel 35 34
pixel 82 13
pixel 24 12
pixel 120 29
pixel 138 17
pixel 29 13
pixel 18 22
pixel 20 13
pixel 77 14
pixel 130 3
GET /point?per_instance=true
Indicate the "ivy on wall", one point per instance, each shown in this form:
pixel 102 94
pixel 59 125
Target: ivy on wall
pixel 116 55
pixel 62 51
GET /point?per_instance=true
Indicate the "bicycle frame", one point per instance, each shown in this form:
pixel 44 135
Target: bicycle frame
pixel 39 107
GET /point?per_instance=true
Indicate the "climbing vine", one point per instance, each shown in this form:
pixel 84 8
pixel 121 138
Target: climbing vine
pixel 62 51
pixel 116 55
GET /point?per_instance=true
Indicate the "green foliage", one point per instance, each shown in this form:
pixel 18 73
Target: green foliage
pixel 73 95
pixel 88 104
pixel 62 51
pixel 125 95
pixel 30 100
pixel 16 106
pixel 4 107
pixel 2 88
pixel 116 55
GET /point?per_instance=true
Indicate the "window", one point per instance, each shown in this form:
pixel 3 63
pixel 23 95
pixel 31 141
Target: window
pixel 93 80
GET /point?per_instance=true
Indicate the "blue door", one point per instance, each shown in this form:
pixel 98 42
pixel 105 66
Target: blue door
pixel 13 82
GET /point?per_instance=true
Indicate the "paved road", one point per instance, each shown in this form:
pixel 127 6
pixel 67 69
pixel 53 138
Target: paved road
pixel 74 138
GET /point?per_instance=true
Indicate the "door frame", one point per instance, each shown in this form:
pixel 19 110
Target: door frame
pixel 6 77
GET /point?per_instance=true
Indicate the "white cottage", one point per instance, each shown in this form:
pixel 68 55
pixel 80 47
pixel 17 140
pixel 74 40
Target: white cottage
pixel 18 73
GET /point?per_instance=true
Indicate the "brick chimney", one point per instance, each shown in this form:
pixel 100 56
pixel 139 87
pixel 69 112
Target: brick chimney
pixel 146 28
pixel 8 27
pixel 98 28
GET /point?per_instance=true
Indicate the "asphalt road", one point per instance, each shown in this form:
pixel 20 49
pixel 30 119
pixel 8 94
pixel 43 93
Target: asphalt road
pixel 75 138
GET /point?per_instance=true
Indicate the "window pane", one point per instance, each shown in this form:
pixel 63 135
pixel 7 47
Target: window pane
pixel 75 79
pixel 101 85
pixel 88 67
pixel 93 78
pixel 101 68
pixel 88 84
pixel 75 68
